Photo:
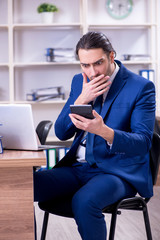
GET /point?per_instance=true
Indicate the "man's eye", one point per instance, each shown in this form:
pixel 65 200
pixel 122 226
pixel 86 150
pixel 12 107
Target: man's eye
pixel 85 65
pixel 99 62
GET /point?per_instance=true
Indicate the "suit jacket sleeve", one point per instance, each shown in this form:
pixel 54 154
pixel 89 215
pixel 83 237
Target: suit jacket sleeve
pixel 64 128
pixel 138 140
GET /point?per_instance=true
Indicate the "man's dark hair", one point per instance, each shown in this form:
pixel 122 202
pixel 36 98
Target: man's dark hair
pixel 93 40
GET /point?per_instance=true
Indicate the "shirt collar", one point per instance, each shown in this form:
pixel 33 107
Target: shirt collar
pixel 112 77
pixel 115 72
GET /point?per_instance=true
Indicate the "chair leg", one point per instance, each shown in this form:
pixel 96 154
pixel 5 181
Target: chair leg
pixel 113 225
pixel 35 226
pixel 147 223
pixel 44 227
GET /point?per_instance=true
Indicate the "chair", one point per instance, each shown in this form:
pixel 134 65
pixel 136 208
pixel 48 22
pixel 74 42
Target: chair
pixel 157 127
pixel 134 203
pixel 43 129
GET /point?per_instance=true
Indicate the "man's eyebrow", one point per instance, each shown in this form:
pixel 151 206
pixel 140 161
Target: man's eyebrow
pixel 93 62
pixel 101 59
pixel 84 63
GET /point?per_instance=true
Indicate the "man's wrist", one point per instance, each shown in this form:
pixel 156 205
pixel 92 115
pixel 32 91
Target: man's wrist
pixel 79 101
pixel 107 133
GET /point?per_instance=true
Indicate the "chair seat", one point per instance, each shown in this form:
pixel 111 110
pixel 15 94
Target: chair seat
pixel 134 203
pixel 60 208
pixel 63 208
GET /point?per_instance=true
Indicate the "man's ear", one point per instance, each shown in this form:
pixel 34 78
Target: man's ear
pixel 111 55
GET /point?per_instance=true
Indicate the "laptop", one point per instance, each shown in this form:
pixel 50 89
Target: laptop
pixel 17 128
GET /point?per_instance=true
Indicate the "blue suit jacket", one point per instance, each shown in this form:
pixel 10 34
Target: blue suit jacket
pixel 130 110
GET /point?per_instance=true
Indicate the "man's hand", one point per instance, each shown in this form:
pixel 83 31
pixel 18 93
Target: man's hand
pixel 95 126
pixel 93 89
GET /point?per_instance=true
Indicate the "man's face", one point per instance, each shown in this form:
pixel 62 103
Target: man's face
pixel 95 62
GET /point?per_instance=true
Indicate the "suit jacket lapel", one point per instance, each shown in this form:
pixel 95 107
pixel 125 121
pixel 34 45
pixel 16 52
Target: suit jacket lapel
pixel 114 90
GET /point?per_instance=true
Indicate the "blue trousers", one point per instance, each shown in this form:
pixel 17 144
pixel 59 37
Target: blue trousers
pixel 89 189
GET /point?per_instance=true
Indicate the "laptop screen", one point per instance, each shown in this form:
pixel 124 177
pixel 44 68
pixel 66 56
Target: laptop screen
pixel 17 127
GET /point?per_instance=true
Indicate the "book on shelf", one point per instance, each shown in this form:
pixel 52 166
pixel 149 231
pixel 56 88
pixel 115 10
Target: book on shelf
pixel 43 94
pixel 147 73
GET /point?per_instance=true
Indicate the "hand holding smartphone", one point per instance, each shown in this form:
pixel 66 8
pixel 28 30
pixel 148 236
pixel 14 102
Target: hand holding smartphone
pixel 82 110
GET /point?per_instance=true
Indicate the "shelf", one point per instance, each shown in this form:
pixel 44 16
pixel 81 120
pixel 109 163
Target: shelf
pixel 122 25
pixel 73 63
pixel 41 102
pixel 136 62
pixel 67 25
pixel 3 26
pixel 27 64
pixel 40 25
pixel 55 139
pixel 4 102
pixel 4 65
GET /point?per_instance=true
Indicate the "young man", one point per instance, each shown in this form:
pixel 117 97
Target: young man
pixel 109 157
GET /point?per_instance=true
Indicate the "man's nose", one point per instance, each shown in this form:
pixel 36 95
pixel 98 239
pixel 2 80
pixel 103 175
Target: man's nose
pixel 93 72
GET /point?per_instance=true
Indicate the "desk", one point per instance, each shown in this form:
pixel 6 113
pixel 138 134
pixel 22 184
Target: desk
pixel 16 193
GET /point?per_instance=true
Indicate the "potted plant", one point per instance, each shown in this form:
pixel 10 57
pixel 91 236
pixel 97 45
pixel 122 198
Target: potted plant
pixel 47 11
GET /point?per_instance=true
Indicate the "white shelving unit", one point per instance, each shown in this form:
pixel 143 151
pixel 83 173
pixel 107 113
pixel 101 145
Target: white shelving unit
pixel 22 60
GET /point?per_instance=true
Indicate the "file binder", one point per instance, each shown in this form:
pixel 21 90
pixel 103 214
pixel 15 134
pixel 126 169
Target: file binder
pixel 1 146
pixel 147 73
pixel 51 157
pixel 62 152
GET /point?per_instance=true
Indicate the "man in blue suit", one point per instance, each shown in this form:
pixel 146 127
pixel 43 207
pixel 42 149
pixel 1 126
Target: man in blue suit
pixel 109 157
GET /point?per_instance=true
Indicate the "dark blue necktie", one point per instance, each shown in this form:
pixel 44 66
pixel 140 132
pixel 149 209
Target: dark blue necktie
pixel 90 136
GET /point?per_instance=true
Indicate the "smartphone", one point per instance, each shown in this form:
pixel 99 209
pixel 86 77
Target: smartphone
pixel 83 110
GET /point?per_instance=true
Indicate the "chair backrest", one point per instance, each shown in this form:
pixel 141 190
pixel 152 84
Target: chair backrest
pixel 43 129
pixel 157 127
pixel 155 156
